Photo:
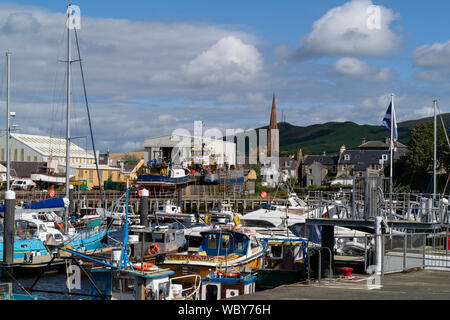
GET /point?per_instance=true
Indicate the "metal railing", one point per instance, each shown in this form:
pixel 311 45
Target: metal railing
pixel 310 251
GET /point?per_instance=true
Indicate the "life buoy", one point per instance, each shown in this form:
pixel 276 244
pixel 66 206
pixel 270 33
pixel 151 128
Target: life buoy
pixel 144 266
pixel 51 193
pixel 153 249
pixel 229 274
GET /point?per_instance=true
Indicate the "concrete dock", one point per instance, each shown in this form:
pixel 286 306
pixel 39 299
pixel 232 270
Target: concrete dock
pixel 416 285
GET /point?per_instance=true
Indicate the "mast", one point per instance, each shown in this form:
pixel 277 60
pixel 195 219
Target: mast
pixel 434 151
pixel 69 13
pixel 8 116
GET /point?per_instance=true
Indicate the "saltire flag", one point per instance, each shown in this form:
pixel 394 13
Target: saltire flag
pixel 390 115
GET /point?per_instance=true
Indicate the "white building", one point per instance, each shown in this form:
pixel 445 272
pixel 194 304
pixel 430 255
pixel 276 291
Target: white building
pixel 185 149
pixel 32 148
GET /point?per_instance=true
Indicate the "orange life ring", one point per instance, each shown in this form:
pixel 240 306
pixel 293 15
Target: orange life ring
pixel 229 274
pixel 51 193
pixel 153 249
pixel 145 266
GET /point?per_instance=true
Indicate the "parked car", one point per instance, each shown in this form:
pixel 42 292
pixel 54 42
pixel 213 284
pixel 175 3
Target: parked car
pixel 23 184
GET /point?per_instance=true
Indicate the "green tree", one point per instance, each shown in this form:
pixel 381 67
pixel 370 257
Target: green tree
pixel 420 158
pixel 131 159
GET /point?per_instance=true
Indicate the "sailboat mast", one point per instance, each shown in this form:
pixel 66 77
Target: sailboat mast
pixel 8 116
pixel 434 151
pixel 69 76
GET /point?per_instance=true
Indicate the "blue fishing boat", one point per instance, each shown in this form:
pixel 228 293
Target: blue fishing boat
pixel 157 174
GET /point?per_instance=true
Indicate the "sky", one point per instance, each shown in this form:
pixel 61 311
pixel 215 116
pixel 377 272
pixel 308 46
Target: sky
pixel 155 67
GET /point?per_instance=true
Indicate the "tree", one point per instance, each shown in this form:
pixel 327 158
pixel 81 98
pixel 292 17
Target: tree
pixel 131 159
pixel 420 158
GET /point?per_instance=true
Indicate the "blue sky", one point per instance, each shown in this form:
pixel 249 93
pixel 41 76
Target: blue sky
pixel 152 67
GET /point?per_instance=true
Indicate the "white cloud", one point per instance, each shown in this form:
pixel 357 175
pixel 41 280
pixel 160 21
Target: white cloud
pixel 229 60
pixel 436 55
pixel 433 62
pixel 344 31
pixel 358 68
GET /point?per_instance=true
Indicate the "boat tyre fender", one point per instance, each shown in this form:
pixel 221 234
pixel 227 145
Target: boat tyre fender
pixel 153 249
pixel 160 258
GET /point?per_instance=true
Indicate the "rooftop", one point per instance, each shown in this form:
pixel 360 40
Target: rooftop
pixel 48 146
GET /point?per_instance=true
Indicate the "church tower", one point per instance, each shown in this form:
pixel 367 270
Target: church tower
pixel 273 139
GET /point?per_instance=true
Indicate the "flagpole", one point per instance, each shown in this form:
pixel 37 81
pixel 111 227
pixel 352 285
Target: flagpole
pixel 391 151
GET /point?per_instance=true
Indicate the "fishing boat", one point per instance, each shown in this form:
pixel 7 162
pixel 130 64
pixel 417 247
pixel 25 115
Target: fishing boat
pixel 284 261
pixel 123 279
pixel 225 284
pixel 150 243
pixel 230 247
pixel 169 213
pixel 158 173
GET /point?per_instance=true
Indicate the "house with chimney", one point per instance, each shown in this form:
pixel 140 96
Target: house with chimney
pixel 317 170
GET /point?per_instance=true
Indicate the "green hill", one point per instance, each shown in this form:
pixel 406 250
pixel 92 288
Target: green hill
pixel 329 137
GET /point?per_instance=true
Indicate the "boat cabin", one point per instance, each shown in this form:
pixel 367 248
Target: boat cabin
pixel 223 242
pixel 223 285
pixel 157 240
pixel 132 285
pixel 169 213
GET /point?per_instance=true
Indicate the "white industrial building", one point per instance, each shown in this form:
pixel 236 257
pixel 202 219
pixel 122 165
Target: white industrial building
pixel 186 150
pixel 32 148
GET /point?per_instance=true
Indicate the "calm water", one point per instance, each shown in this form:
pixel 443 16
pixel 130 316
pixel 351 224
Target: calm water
pixel 56 280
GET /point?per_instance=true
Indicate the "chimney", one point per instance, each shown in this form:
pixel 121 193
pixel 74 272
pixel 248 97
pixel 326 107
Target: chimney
pixel 387 140
pixel 341 151
pixel 324 153
pixel 363 141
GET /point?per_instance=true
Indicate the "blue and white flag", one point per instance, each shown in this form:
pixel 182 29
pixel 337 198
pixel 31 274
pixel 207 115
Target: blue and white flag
pixel 390 115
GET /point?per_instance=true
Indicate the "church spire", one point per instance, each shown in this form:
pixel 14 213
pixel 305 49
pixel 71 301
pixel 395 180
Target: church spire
pixel 272 134
pixel 273 115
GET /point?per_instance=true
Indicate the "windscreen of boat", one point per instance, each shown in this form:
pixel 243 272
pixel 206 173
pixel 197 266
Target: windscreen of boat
pixel 158 237
pixel 257 223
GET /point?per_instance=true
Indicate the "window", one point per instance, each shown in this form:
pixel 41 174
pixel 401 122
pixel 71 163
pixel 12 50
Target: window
pixel 254 243
pixel 91 175
pixel 3 154
pixel 35 159
pixel 212 241
pixel 22 155
pixel 15 154
pixel 225 241
pixel 385 157
pixel 158 237
pixel 28 158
